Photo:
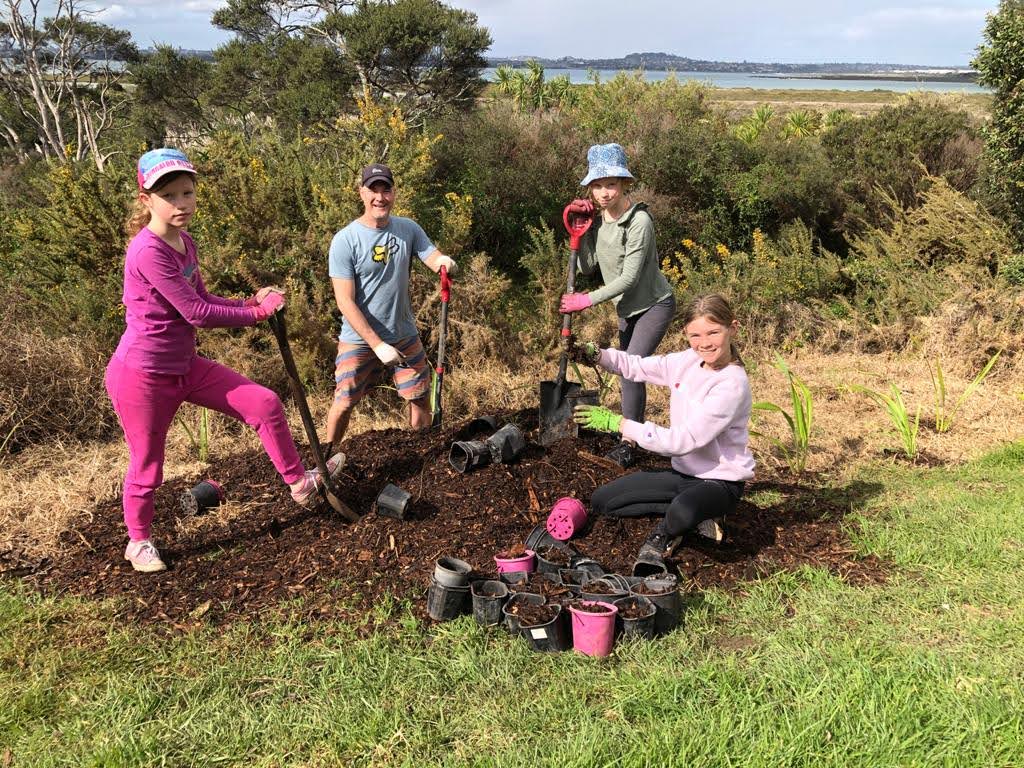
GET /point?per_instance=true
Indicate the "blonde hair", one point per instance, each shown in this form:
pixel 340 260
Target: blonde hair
pixel 138 216
pixel 716 308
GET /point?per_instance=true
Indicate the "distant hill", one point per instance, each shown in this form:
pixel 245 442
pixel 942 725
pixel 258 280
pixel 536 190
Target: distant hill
pixel 669 61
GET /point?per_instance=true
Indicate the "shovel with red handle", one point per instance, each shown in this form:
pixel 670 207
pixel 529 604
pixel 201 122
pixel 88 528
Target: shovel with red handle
pixel 556 403
pixel 435 393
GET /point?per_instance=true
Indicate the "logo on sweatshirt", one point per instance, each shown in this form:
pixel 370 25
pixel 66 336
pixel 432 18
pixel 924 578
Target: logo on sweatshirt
pixel 188 271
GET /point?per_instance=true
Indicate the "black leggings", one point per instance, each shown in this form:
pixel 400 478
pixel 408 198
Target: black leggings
pixel 685 501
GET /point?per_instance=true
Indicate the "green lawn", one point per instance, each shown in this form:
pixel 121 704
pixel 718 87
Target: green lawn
pixel 798 670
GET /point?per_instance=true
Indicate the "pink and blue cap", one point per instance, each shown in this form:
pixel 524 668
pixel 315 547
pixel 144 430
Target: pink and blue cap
pixel 157 163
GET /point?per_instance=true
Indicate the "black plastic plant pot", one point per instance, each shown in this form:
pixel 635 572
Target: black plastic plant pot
pixel 467 455
pixel 514 577
pixel 206 495
pixel 539 539
pixel 452 572
pixel 553 559
pixel 573 578
pixel 664 593
pixel 637 615
pixel 488 599
pixel 392 501
pixel 511 608
pixel 622 582
pixel 551 636
pixel 476 426
pixel 588 564
pixel 506 444
pixel 444 603
pixel 603 591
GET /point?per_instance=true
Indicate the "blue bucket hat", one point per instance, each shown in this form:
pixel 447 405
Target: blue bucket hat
pixel 606 161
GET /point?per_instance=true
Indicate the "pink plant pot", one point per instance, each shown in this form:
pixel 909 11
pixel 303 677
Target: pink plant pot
pixel 593 633
pixel 528 563
pixel 567 518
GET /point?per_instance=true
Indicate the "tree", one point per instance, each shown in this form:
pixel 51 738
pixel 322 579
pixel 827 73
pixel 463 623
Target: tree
pixel 421 55
pixel 294 80
pixel 1000 64
pixel 64 76
pixel 169 95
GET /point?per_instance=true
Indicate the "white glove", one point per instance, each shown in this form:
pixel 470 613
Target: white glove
pixel 448 263
pixel 388 354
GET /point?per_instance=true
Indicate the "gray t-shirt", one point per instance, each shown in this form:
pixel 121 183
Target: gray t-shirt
pixel 378 261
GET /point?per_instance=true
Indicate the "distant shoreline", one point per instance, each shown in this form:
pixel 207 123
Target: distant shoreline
pixel 899 77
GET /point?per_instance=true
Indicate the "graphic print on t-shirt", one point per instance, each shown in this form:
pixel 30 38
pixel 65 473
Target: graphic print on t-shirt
pixel 383 252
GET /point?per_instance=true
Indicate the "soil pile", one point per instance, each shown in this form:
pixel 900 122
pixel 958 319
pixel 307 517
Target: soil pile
pixel 278 552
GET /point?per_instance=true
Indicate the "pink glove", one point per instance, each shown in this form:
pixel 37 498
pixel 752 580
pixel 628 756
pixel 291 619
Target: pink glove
pixel 261 294
pixel 273 302
pixel 582 205
pixel 574 302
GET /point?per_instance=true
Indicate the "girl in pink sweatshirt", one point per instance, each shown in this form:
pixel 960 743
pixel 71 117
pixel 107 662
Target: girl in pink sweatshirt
pixel 707 439
pixel 155 367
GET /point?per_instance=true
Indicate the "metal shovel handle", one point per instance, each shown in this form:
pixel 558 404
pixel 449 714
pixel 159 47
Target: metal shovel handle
pixel 280 329
pixel 436 415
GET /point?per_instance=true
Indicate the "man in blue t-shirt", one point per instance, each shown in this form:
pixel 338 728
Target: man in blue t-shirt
pixel 370 261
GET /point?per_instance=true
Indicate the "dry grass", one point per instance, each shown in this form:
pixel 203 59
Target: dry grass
pixel 51 389
pixel 739 102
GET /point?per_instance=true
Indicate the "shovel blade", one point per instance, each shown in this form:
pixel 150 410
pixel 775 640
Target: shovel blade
pixel 555 415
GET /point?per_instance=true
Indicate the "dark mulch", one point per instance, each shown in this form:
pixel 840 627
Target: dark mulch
pixel 278 551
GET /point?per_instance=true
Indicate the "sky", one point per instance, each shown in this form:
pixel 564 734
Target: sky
pixel 940 32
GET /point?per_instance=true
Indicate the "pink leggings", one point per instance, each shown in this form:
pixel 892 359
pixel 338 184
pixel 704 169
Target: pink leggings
pixel 146 403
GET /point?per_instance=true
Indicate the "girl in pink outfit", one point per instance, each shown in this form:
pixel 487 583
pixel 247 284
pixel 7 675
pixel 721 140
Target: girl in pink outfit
pixel 707 439
pixel 155 367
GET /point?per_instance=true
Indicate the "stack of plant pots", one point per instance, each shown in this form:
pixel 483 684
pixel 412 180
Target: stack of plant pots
pixel 448 595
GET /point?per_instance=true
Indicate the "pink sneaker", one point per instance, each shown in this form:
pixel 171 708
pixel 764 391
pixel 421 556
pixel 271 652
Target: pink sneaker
pixel 312 481
pixel 144 556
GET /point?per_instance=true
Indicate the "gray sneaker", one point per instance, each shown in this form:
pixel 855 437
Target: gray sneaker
pixel 312 482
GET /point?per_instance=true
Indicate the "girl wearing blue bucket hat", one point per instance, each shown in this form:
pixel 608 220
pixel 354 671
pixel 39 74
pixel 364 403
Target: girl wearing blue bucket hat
pixel 623 247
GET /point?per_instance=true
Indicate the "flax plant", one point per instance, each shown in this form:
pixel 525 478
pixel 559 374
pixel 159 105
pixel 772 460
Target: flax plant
pixel 943 414
pixel 800 421
pixel 895 407
pixel 200 438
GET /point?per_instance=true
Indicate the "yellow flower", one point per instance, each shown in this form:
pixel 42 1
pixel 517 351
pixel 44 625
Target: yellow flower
pixel 721 250
pixel 688 243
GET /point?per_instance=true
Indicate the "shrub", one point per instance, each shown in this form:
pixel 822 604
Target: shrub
pixel 518 168
pixel 922 255
pixel 51 388
pixel 889 153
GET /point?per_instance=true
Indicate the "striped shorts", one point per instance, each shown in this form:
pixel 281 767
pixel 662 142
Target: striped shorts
pixel 357 368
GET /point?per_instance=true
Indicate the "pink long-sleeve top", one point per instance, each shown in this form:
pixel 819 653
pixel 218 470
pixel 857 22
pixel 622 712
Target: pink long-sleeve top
pixel 709 412
pixel 165 301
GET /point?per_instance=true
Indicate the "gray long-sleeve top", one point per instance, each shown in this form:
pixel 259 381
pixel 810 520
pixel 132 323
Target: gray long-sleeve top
pixel 630 271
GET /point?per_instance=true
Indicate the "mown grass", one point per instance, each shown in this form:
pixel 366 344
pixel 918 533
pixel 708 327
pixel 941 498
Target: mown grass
pixel 799 669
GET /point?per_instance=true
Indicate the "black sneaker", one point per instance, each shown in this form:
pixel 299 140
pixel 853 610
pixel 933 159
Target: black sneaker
pixel 623 454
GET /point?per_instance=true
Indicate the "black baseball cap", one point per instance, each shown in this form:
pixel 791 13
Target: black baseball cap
pixel 377 172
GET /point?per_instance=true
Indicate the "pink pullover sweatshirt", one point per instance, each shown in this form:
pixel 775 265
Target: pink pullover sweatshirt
pixel 709 412
pixel 165 301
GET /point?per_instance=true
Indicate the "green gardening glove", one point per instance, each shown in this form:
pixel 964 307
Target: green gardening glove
pixel 597 417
